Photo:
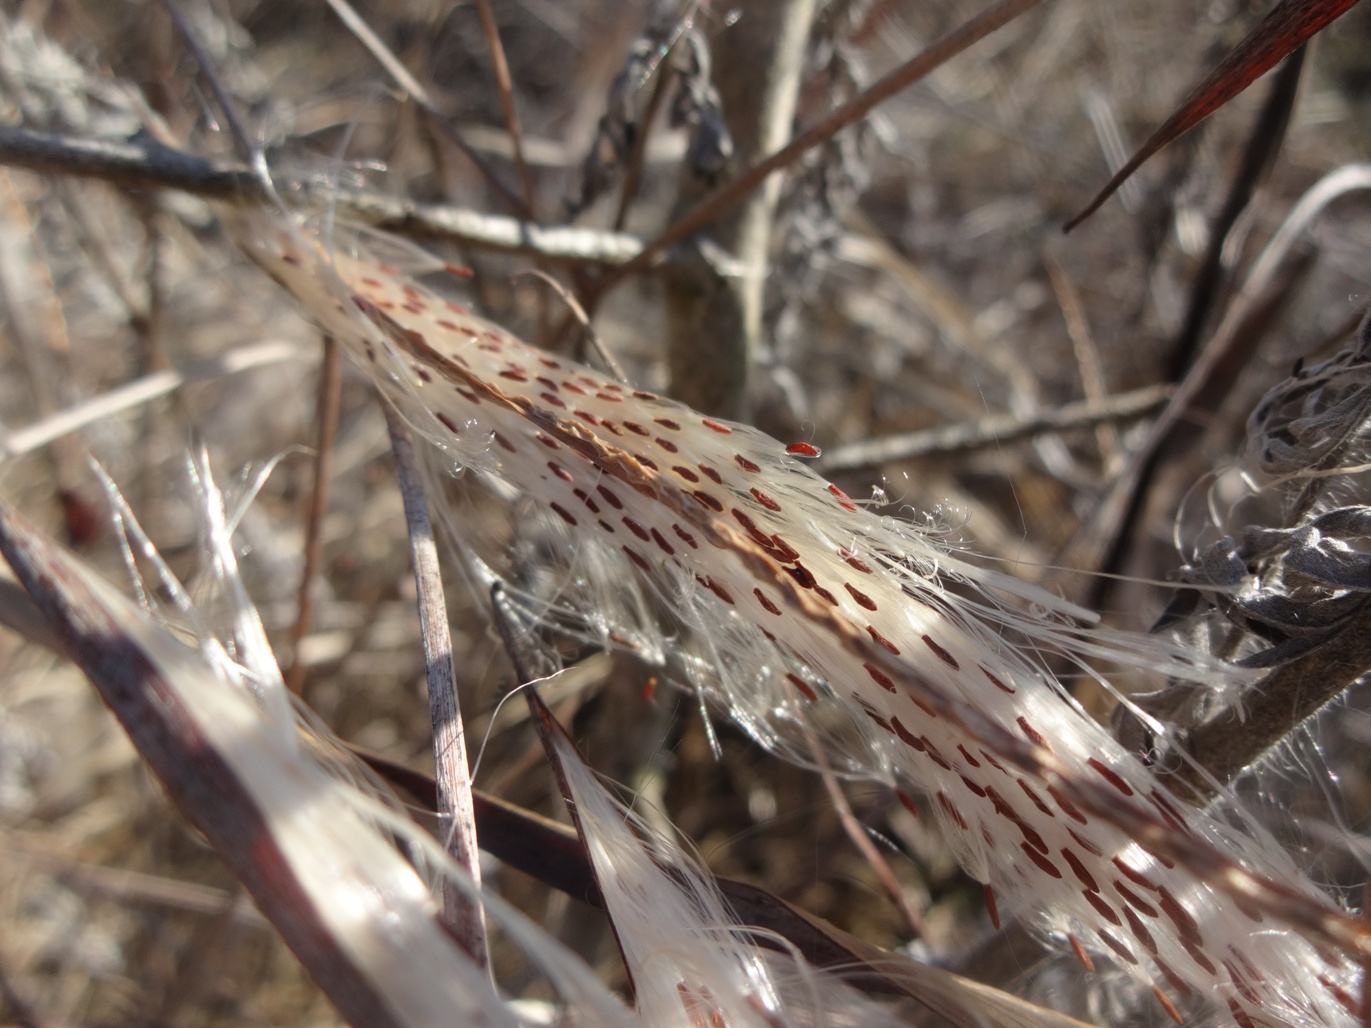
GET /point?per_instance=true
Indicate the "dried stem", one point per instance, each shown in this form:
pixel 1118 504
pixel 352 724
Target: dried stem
pixel 982 25
pixel 464 918
pixel 329 397
pixel 715 319
pixel 993 431
pixel 1273 707
pixel 505 87
pixel 1087 356
pixel 246 147
pixel 856 832
pixel 397 71
pixel 145 163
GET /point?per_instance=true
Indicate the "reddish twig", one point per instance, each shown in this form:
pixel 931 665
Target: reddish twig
pixel 330 392
pixel 505 87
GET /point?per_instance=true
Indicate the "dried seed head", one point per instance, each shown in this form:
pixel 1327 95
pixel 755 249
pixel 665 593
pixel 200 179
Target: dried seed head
pixel 802 606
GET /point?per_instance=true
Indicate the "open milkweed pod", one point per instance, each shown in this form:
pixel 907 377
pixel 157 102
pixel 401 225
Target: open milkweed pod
pixel 915 666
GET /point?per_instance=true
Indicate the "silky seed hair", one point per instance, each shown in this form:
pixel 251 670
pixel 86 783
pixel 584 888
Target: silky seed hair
pixel 796 606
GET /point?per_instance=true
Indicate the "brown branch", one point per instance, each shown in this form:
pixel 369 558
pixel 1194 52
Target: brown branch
pixel 330 395
pixel 1275 706
pixel 505 86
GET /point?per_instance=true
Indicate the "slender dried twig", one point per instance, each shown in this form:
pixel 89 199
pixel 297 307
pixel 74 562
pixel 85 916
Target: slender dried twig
pixel 387 60
pixel 145 163
pixel 329 397
pixel 138 163
pixel 856 832
pixel 637 158
pixel 26 440
pixel 1087 355
pixel 246 147
pixel 932 57
pixel 1259 155
pixel 505 86
pixel 465 919
pixel 992 431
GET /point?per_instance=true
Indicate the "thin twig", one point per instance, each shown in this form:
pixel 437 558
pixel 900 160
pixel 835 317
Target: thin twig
pixel 464 918
pixel 856 832
pixel 144 163
pixel 388 61
pixel 1259 155
pixel 992 431
pixel 932 57
pixel 141 162
pixel 579 313
pixel 247 149
pixel 26 440
pixel 1087 357
pixel 505 87
pixel 326 413
pixel 633 169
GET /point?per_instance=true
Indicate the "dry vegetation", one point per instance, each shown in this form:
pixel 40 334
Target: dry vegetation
pixel 920 279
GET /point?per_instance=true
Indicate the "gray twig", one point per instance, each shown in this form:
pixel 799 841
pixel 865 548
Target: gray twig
pixel 991 431
pixel 142 162
pixel 464 918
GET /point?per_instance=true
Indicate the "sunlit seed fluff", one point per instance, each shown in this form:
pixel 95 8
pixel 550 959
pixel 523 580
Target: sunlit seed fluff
pixel 322 837
pixel 802 606
pixel 690 960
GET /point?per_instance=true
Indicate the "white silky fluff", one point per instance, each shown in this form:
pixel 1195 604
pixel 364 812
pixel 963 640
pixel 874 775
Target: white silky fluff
pixel 336 837
pixel 913 665
pixel 691 962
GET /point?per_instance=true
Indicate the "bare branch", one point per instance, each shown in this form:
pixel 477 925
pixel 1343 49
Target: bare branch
pixel 982 25
pixel 143 163
pixel 992 431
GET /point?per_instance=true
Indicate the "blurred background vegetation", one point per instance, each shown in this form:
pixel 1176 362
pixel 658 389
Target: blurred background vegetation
pixel 918 278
